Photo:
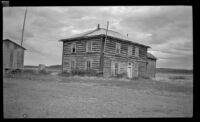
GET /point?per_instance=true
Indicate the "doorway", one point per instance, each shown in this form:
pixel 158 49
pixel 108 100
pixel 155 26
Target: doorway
pixel 135 69
pixel 129 70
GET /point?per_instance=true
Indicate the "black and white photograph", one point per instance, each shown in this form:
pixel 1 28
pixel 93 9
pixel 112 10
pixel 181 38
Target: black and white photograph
pixel 97 61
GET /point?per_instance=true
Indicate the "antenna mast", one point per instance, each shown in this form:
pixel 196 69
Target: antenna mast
pixel 23 27
pixel 107 30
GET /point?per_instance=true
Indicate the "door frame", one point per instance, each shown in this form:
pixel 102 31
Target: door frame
pixel 130 68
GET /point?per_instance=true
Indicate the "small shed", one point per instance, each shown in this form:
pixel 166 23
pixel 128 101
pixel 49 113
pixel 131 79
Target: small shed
pixel 13 55
pixel 151 65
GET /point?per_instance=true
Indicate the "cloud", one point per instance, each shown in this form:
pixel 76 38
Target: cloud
pixel 167 29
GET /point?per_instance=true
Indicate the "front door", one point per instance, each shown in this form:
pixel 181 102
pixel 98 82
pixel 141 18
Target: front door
pixel 129 70
pixel 135 69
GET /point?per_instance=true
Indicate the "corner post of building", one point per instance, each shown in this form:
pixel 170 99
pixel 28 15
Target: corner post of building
pixel 62 57
pixel 102 56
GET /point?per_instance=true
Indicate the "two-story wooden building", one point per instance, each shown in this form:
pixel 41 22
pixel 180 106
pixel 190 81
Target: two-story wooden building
pixel 110 56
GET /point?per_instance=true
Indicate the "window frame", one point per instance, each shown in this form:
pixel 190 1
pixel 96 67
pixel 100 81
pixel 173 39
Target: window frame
pixel 73 47
pixel 130 50
pixel 116 70
pixel 136 51
pixel 86 64
pixel 117 47
pixel 87 45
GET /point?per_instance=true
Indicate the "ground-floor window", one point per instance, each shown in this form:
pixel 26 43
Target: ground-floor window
pixel 88 65
pixel 73 64
pixel 116 68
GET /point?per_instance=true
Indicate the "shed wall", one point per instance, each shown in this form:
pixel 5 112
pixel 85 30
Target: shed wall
pixel 151 68
pixel 13 55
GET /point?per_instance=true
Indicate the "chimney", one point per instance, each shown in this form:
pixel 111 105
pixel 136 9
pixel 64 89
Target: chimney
pixel 98 26
pixel 127 34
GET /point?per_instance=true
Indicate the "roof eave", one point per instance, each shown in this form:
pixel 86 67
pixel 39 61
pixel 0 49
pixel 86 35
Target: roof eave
pixel 68 39
pixel 15 43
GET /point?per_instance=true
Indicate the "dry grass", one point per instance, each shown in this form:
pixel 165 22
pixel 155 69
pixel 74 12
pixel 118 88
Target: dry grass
pixel 178 77
pixel 45 96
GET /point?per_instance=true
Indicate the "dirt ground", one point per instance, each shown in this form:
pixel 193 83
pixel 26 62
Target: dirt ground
pixel 80 97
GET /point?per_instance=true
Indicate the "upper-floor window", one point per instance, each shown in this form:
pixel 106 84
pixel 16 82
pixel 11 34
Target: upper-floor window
pixel 118 48
pixel 73 47
pixel 130 50
pixel 89 46
pixel 136 51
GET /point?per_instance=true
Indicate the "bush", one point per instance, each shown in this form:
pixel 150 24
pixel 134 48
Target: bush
pixel 145 77
pixel 44 72
pixel 80 72
pixel 64 73
pixel 134 78
pixel 14 73
pixel 122 75
pixel 29 71
pixel 91 73
pixel 177 77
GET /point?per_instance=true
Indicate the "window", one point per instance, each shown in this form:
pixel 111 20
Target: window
pixel 118 48
pixel 89 46
pixel 116 68
pixel 73 47
pixel 88 64
pixel 73 64
pixel 136 51
pixel 130 49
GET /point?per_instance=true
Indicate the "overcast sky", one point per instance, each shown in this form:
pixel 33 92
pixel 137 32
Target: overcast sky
pixel 166 29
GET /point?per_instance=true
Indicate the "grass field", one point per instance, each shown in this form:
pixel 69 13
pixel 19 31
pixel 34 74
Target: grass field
pixel 54 96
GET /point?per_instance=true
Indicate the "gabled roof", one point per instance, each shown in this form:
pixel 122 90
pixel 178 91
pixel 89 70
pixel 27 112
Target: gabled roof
pixel 149 55
pixel 14 43
pixel 102 31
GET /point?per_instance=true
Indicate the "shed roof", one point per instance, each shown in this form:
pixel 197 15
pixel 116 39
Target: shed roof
pixel 14 43
pixel 102 31
pixel 149 55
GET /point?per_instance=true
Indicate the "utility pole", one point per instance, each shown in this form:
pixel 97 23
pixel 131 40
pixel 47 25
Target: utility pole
pixel 102 51
pixel 107 30
pixel 23 27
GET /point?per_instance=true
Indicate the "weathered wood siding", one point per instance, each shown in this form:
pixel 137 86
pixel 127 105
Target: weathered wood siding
pixel 81 56
pixel 105 53
pixel 123 58
pixel 143 53
pixel 122 61
pixel 151 68
pixel 142 68
pixel 13 56
pixel 80 62
pixel 110 49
